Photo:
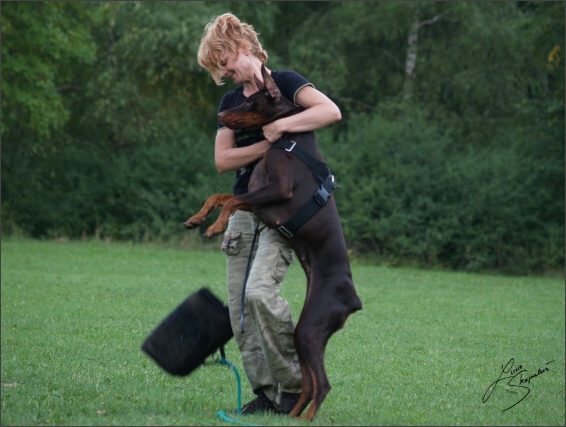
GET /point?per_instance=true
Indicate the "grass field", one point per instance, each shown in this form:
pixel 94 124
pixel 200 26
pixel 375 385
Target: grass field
pixel 424 350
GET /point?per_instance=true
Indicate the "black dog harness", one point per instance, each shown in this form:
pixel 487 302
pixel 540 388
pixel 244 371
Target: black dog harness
pixel 323 176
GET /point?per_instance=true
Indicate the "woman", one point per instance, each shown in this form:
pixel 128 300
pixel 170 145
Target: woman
pixel 230 49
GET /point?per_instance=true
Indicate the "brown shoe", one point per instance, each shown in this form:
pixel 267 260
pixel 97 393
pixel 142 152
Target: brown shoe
pixel 288 401
pixel 260 404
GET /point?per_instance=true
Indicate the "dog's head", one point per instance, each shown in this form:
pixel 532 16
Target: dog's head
pixel 264 106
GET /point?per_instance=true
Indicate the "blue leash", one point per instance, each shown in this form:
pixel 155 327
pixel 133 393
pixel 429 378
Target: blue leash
pixel 223 361
pixel 230 420
pixel 250 256
pixel 221 414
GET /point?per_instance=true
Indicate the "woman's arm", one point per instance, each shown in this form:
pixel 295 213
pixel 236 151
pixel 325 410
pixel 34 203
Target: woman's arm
pixel 228 157
pixel 319 111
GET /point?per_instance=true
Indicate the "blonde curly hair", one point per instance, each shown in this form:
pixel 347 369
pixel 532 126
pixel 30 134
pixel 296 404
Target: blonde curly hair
pixel 226 32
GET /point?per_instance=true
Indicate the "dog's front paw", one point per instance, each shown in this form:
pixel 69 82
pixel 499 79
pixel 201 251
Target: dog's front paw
pixel 193 222
pixel 213 231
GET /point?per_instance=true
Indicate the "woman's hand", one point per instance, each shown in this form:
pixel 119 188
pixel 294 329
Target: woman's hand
pixel 272 132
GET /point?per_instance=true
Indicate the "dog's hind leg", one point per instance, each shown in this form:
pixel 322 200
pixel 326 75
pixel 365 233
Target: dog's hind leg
pixel 320 319
pixel 314 373
pixel 307 386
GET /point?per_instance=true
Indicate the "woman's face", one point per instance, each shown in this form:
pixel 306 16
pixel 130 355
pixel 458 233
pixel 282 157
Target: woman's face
pixel 235 66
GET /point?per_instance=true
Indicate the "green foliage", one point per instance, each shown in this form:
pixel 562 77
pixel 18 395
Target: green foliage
pixel 399 184
pixel 42 42
pixel 361 64
pixel 408 196
pixel 135 195
pixel 146 80
pixel 108 122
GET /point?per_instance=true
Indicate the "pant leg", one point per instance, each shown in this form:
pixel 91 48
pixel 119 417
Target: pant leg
pixel 271 313
pixel 237 243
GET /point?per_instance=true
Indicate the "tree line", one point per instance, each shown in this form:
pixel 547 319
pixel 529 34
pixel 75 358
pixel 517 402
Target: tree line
pixel 450 152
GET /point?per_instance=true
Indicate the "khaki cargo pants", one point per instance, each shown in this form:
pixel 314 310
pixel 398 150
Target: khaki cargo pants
pixel 267 346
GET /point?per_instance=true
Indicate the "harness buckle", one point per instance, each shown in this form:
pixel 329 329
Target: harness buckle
pixel 321 196
pixel 291 147
pixel 285 232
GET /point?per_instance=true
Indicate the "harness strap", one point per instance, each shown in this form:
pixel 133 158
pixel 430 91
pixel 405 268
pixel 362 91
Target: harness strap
pixel 320 168
pixel 322 175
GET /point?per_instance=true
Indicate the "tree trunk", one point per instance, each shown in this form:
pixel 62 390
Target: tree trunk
pixel 411 58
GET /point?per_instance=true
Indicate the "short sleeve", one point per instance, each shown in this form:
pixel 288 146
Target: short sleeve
pixel 290 83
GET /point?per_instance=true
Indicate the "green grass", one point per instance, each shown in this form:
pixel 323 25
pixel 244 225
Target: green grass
pixel 423 350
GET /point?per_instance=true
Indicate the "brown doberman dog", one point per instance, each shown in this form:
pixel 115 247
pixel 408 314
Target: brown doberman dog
pixel 283 184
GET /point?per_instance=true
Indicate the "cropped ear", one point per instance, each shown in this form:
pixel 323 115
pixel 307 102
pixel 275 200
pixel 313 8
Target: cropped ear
pixel 270 85
pixel 258 82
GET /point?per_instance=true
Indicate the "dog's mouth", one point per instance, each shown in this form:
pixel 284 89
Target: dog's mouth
pixel 235 121
pixel 227 119
pixel 235 124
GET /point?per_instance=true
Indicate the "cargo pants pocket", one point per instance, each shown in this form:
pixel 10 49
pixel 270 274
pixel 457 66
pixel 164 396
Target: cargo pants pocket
pixel 232 244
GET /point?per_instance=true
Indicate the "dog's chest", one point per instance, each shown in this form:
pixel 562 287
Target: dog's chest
pixel 275 167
